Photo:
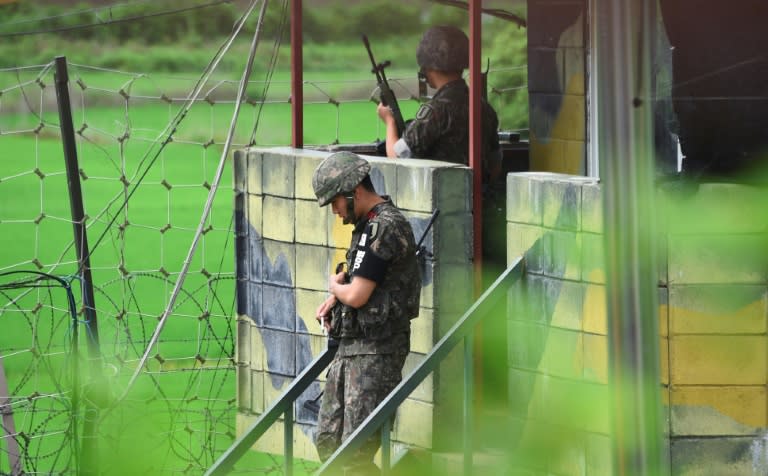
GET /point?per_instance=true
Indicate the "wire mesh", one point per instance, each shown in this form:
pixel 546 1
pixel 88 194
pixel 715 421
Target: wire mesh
pixel 141 214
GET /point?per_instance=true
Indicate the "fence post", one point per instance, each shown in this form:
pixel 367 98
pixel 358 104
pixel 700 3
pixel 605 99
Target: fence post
pixel 6 410
pixel 297 77
pixel 88 448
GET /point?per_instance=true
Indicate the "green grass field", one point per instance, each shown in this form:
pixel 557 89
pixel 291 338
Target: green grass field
pixel 35 230
pixel 177 417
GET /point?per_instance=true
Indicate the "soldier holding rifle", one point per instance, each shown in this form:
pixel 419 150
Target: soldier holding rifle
pixel 369 308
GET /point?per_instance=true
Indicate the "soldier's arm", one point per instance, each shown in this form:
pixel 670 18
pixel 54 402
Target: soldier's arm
pixel 374 253
pixel 385 113
pixel 355 293
pixel 420 135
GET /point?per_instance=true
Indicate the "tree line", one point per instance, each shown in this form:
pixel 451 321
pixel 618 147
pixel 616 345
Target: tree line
pixel 179 20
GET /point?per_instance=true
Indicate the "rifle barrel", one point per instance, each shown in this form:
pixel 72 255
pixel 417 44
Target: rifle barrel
pixel 375 69
pixel 429 225
pixel 387 96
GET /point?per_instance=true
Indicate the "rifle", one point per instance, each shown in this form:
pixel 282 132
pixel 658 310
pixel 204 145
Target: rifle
pixel 386 95
pixel 421 251
pixel 421 254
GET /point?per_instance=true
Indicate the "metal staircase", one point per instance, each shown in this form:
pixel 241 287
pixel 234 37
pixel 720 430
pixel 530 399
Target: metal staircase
pixel 461 331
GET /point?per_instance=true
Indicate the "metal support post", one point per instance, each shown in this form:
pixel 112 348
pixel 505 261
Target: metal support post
pixel 297 78
pixel 288 441
pixel 386 448
pixel 468 402
pixel 625 120
pixel 88 459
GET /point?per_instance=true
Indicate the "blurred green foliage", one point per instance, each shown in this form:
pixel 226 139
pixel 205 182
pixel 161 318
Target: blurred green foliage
pixel 508 84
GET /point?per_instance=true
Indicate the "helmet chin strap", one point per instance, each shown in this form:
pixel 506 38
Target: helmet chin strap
pixel 350 217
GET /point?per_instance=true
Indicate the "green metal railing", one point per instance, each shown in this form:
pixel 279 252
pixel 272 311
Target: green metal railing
pixel 462 330
pixel 282 406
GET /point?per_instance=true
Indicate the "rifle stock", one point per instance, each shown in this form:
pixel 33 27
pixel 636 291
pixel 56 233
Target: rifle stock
pixel 386 95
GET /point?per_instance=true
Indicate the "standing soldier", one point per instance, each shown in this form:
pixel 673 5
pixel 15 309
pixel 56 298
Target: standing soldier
pixel 370 307
pixel 440 130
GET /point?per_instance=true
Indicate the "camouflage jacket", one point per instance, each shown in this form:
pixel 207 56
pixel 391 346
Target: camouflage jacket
pixel 440 130
pixel 383 323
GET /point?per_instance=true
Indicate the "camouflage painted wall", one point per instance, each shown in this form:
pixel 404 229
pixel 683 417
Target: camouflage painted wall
pixel 287 248
pixel 713 308
pixel 559 33
pixel 556 85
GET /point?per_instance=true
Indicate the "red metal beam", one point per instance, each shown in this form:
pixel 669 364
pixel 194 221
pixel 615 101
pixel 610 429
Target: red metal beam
pixel 297 78
pixel 475 125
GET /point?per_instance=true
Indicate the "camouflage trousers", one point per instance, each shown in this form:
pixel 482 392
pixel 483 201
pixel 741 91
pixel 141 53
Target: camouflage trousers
pixel 354 388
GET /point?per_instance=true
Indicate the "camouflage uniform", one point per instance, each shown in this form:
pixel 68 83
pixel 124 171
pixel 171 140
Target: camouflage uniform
pixel 440 130
pixel 375 338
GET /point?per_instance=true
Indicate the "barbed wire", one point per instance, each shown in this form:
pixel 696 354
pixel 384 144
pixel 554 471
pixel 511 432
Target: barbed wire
pixel 127 305
pixel 189 381
pixel 39 391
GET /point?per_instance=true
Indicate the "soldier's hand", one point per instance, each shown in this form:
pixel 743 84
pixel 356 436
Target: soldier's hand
pixel 339 278
pixel 385 113
pixel 323 311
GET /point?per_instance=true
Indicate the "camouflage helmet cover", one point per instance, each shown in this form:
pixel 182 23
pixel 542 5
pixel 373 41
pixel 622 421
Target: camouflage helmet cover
pixel 443 48
pixel 338 173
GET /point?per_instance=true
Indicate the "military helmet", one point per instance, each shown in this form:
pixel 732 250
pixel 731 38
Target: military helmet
pixel 339 173
pixel 443 48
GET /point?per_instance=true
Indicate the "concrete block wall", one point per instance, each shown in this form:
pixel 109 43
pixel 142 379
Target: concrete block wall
pixel 713 306
pixel 287 248
pixel 557 334
pixel 717 307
